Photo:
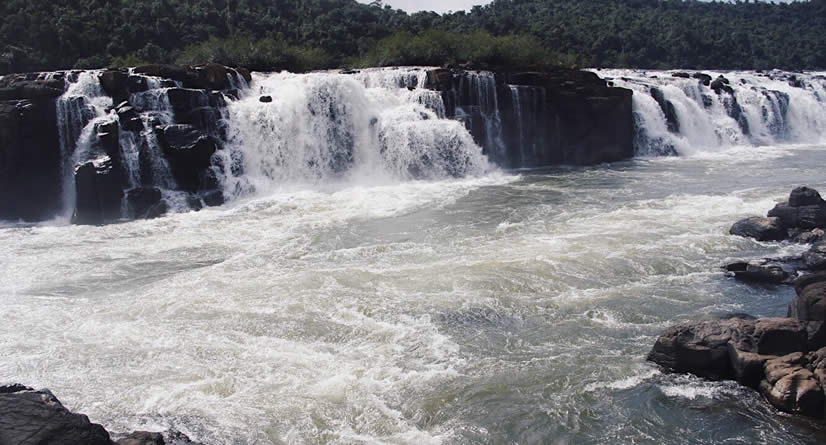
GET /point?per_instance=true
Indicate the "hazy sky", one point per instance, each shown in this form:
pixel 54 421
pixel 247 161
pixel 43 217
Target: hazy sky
pixel 444 5
pixel 432 5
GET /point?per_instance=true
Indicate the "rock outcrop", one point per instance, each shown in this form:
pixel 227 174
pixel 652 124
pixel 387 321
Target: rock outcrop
pixel 37 417
pixel 30 160
pixel 801 218
pixel 552 117
pixel 783 358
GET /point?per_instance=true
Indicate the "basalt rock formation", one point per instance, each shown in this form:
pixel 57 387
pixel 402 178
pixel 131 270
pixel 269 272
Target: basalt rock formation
pixel 530 119
pixel 100 145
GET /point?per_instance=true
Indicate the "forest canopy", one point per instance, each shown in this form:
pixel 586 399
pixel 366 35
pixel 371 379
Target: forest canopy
pixel 303 35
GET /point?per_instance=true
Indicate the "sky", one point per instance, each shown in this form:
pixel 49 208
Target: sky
pixel 432 5
pixel 444 5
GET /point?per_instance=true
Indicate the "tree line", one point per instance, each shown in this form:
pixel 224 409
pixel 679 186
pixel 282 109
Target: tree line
pixel 301 35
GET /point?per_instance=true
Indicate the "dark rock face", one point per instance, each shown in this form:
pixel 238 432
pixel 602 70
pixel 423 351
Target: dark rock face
pixel 189 152
pixel 721 85
pixel 759 228
pixel 37 417
pixel 805 210
pixel 99 192
pixel 547 118
pixel 146 203
pixel 702 77
pixel 30 160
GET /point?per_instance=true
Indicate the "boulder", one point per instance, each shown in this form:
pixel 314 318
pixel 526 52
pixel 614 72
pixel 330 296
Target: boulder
pixel 115 84
pixel 37 417
pixel 211 76
pixel 805 196
pixel 769 336
pixel 704 78
pixel 265 99
pixel 697 348
pixel 815 258
pixel 99 192
pixel 810 302
pixel 760 271
pixel 759 228
pixel 720 85
pixel 189 152
pixel 146 203
pixel 681 75
pixel 793 388
pixel 173 72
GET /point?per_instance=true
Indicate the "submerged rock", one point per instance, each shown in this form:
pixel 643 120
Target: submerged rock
pixel 146 203
pixel 762 271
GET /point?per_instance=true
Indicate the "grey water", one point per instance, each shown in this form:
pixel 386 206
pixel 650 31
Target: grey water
pixel 504 307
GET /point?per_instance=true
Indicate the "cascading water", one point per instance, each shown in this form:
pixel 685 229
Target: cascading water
pixel 477 106
pixel 79 109
pixel 681 115
pixel 319 128
pixel 527 103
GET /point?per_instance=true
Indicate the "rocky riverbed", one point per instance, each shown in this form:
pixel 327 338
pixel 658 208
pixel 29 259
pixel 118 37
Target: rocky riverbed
pixel 783 358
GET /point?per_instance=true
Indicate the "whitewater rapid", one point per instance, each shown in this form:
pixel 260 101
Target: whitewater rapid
pixel 495 309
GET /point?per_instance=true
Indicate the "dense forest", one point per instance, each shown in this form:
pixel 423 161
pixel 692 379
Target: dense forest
pixel 303 35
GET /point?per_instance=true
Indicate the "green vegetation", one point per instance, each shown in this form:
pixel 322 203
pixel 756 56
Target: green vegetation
pixel 301 35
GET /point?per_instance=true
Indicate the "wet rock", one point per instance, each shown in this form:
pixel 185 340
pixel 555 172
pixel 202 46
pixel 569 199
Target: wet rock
pixel 810 302
pixel 440 79
pixel 146 203
pixel 189 152
pixel 793 388
pixel 760 271
pixel 668 109
pixel 99 192
pixel 759 228
pixel 810 237
pixel 720 85
pixel 697 348
pixel 681 75
pixel 211 76
pixel 702 77
pixel 129 117
pixel 114 84
pixel 213 198
pixel 805 196
pixel 265 99
pixel 815 258
pixel 37 417
pixel 142 438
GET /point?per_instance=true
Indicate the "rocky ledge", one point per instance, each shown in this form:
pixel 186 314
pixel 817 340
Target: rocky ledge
pixel 28 417
pixel 783 358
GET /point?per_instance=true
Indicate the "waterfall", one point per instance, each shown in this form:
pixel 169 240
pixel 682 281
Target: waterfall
pixel 676 113
pixel 527 103
pixel 79 109
pixel 477 106
pixel 373 126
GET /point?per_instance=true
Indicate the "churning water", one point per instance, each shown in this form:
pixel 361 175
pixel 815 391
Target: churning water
pixel 378 299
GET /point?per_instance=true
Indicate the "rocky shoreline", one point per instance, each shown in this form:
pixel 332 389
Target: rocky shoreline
pixel 29 416
pixel 782 358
